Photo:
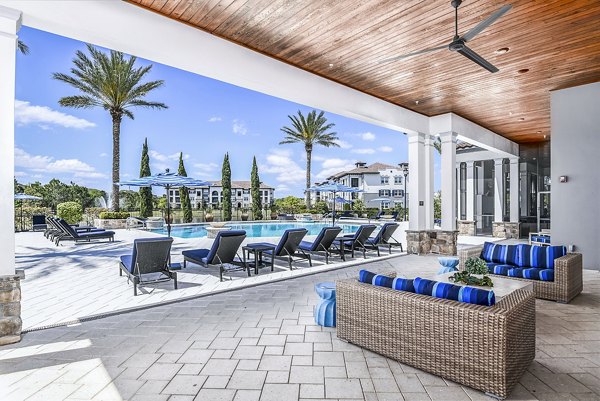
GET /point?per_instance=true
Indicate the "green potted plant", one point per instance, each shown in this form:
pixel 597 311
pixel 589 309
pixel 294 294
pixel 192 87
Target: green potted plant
pixel 476 266
pixel 475 273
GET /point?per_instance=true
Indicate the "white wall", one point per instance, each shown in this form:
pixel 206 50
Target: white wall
pixel 575 147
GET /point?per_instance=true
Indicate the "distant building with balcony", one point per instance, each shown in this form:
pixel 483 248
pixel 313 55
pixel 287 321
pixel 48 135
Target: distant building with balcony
pixel 212 195
pixel 378 180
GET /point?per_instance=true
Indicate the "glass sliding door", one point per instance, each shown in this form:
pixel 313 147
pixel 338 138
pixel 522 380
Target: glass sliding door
pixel 484 196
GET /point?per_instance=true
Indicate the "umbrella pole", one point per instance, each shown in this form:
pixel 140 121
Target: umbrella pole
pixel 333 215
pixel 168 214
pixel 21 215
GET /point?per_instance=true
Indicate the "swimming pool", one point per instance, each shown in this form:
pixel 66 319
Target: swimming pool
pixel 255 229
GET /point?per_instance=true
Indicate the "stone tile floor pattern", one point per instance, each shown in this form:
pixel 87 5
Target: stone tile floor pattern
pixel 262 344
pixel 60 281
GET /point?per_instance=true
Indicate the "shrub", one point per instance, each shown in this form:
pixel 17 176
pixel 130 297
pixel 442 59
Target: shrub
pixel 476 266
pixel 72 212
pixel 114 215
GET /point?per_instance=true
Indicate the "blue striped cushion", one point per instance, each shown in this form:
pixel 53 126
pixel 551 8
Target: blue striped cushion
pixel 516 272
pixel 539 274
pixel 544 239
pixel 499 269
pixel 505 254
pixel 540 256
pixel 398 283
pixel 454 292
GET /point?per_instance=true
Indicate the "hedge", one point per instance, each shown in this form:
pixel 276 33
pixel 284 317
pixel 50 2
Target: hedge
pixel 114 215
pixel 72 212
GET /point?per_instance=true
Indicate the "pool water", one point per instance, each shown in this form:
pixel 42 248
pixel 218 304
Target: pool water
pixel 256 229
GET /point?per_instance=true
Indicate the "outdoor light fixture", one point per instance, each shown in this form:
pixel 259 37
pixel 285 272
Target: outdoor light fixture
pixel 502 50
pixel 404 167
pixel 563 178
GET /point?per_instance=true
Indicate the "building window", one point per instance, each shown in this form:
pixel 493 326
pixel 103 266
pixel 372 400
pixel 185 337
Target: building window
pixel 354 182
pixel 398 193
pixel 385 180
pixel 215 198
pixel 398 180
pixel 384 192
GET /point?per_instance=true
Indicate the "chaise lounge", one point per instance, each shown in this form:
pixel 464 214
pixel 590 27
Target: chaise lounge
pixel 555 274
pixel 323 243
pixel 71 234
pixel 287 248
pixel 385 238
pixel 222 252
pixel 358 240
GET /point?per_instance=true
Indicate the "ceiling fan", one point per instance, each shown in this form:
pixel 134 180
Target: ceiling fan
pixel 458 43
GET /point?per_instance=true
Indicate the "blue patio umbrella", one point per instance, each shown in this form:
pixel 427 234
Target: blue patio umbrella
pixel 341 200
pixel 381 200
pixel 24 197
pixel 334 188
pixel 167 180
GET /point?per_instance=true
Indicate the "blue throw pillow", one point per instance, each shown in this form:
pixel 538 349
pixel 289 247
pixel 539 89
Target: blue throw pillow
pixel 486 252
pixel 496 253
pixel 397 283
pixel 454 292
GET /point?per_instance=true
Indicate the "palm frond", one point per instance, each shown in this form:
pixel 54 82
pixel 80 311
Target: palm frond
pixel 22 47
pixel 79 102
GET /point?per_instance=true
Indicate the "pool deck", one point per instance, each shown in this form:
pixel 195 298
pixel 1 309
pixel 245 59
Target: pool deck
pixel 75 281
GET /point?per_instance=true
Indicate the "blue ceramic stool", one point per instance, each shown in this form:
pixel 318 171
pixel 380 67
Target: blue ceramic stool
pixel 448 263
pixel 325 310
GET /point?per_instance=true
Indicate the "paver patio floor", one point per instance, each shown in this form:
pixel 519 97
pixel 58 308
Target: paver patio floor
pixel 261 343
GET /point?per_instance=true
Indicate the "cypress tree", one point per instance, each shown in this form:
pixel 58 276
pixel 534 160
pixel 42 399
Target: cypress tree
pixel 255 192
pixel 184 194
pixel 146 206
pixel 226 183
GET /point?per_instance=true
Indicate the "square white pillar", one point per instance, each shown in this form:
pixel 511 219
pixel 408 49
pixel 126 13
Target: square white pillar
pixel 416 184
pixel 499 190
pixel 10 23
pixel 429 163
pixel 470 194
pixel 514 190
pixel 448 180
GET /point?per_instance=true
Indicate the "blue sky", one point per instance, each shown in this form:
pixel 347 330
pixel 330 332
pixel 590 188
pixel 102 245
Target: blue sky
pixel 205 119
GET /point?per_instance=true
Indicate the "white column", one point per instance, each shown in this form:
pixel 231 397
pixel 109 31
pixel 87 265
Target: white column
pixel 448 180
pixel 429 163
pixel 470 195
pixel 514 190
pixel 498 190
pixel 10 22
pixel 416 183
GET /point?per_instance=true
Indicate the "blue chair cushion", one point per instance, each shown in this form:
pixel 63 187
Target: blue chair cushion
pixel 284 239
pixel 497 253
pixel 544 239
pixel 213 249
pixel 532 273
pixel 126 261
pixel 454 292
pixel 539 256
pixel 197 255
pixel 496 268
pixel 306 245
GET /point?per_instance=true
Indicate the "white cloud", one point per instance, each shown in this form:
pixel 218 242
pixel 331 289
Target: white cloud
pixel 26 113
pixel 206 169
pixel 163 158
pixel 343 144
pixel 103 154
pixel 239 127
pixel 282 164
pixel 21 174
pixel 386 149
pixel 48 164
pixel 363 151
pixel 333 166
pixel 367 136
pixel 215 119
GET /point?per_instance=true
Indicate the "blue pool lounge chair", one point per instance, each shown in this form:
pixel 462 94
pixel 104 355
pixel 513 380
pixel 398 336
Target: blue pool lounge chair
pixel 287 248
pixel 150 255
pixel 223 251
pixel 71 234
pixel 384 238
pixel 358 240
pixel 323 242
pixel 38 222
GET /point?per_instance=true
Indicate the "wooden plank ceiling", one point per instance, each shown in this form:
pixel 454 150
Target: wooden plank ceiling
pixel 557 43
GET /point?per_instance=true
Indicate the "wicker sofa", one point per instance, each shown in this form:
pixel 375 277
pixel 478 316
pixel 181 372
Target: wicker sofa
pixel 487 348
pixel 568 276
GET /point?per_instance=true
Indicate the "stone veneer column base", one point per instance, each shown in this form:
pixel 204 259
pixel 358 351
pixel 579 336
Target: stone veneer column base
pixel 424 242
pixel 505 229
pixel 10 309
pixel 465 227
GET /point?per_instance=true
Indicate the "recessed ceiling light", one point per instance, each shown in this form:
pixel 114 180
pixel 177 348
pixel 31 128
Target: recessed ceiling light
pixel 330 65
pixel 538 132
pixel 544 136
pixel 522 119
pixel 416 102
pixel 502 50
pixel 523 70
pixel 510 113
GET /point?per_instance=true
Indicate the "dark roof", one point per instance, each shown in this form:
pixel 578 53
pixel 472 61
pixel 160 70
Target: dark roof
pixel 241 184
pixel 371 169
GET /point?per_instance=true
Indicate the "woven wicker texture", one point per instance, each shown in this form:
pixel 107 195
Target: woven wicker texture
pixel 487 348
pixel 568 276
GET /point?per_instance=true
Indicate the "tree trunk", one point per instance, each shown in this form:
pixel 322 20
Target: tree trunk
pixel 116 120
pixel 308 165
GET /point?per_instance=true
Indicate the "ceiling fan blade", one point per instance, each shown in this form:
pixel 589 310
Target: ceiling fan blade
pixel 485 23
pixel 433 49
pixel 471 55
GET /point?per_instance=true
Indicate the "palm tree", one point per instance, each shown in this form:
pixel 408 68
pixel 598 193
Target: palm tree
pixel 311 131
pixel 113 83
pixel 22 47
